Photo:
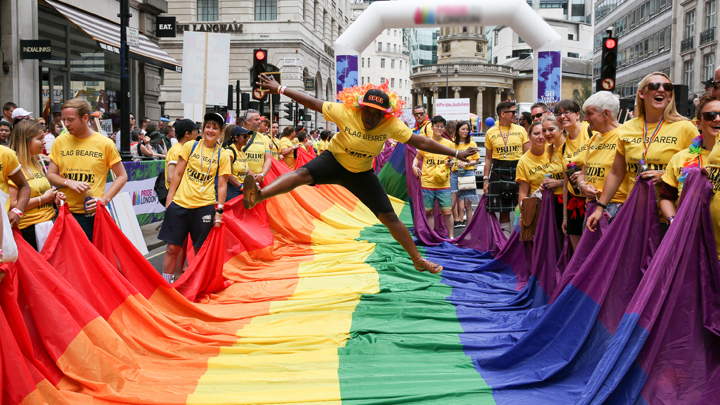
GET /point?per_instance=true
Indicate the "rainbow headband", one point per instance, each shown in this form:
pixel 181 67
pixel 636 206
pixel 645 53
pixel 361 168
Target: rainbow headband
pixel 353 96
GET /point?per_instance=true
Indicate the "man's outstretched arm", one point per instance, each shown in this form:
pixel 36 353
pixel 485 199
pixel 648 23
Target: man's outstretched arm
pixel 302 98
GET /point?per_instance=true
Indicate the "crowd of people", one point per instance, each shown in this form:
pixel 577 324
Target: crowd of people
pixel 581 153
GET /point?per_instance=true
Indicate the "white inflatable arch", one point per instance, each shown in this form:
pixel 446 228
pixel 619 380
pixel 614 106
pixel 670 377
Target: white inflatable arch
pixel 516 14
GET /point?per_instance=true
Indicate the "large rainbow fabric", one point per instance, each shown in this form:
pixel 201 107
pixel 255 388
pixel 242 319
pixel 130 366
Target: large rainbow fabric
pixel 316 303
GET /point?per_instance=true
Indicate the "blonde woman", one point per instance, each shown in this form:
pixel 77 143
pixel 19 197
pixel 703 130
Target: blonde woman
pixel 37 220
pixel 647 142
pixel 555 138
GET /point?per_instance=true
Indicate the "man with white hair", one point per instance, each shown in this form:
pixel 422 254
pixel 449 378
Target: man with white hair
pixel 600 111
pixel 257 151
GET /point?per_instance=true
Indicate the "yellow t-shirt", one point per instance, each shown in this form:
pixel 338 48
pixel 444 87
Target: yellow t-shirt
pixel 556 169
pixel 713 166
pixel 531 169
pixel 354 147
pixel 433 162
pixel 87 160
pixel 197 188
pixel 255 153
pixel 516 137
pixel 240 165
pixel 172 158
pixel 39 184
pixel 272 144
pixel 9 165
pixel 671 139
pixel 675 166
pixel 322 146
pixel 576 151
pixel 464 146
pixel 599 160
pixel 285 143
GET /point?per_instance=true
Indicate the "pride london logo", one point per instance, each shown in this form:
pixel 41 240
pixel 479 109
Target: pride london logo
pixel 144 197
pixel 448 15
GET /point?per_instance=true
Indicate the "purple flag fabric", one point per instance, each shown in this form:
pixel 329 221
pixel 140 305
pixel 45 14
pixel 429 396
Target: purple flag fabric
pixel 483 232
pixel 567 342
pixel 667 347
pixel 384 156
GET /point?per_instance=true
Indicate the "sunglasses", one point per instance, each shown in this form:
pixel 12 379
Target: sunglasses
pixel 710 115
pixel 419 114
pixel 656 86
pixel 513 112
pixel 538 115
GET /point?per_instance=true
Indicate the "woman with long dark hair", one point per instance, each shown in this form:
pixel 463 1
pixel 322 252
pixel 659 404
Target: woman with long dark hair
pixel 462 200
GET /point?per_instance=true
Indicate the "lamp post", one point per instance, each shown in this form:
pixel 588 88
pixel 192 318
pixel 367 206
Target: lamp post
pixel 447 78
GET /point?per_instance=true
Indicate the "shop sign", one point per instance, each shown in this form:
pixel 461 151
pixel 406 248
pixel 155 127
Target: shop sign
pixel 165 27
pixel 309 84
pixel 211 27
pixel 35 49
pixel 293 62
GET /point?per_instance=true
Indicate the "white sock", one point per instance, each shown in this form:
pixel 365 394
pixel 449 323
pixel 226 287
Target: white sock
pixel 168 278
pixel 506 228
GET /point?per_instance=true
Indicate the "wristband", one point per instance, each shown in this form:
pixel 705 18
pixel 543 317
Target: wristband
pixel 582 183
pixel 486 178
pixel 39 200
pixel 670 220
pixel 18 212
pixel 599 204
pixel 1 251
pixel 281 89
pixel 65 182
pixel 456 153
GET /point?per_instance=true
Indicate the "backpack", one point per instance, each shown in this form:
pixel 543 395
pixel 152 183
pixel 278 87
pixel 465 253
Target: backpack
pixel 160 188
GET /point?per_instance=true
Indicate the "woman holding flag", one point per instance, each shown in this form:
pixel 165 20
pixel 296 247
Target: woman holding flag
pixel 647 142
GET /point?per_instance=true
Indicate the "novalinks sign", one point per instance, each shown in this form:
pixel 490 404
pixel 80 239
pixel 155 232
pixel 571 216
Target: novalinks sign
pixel 35 49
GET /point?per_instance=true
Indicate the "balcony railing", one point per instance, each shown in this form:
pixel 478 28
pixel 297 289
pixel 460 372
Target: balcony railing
pixel 707 36
pixel 687 44
pixel 464 68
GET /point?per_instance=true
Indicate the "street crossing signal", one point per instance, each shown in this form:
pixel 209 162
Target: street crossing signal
pixel 259 66
pixel 608 65
pixel 289 110
pixel 301 114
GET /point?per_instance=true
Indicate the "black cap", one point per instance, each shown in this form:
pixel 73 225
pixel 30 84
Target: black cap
pixel 182 127
pixel 56 108
pixel 377 99
pixel 198 126
pixel 238 130
pixel 216 117
pixel 709 82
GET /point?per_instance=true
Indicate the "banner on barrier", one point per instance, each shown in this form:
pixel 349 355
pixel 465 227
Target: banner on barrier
pixel 140 187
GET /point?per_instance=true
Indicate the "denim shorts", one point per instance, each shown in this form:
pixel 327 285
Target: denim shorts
pixel 471 195
pixel 442 195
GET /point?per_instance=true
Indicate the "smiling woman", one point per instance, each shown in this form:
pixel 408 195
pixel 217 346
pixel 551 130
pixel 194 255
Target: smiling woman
pixel 647 142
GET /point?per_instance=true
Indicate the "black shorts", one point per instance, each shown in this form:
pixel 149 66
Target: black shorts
pixel 575 215
pixel 180 221
pixel 325 169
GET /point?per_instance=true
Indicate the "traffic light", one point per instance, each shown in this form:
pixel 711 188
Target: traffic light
pixel 259 66
pixel 289 110
pixel 301 114
pixel 608 65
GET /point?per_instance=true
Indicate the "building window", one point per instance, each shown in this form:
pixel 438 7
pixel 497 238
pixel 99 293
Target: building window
pixel 688 75
pixel 708 65
pixel 368 62
pixel 382 80
pixel 388 47
pixel 573 55
pixel 710 14
pixel 379 46
pixel 690 24
pixel 387 31
pixel 392 82
pixel 395 48
pixel 464 29
pixel 400 67
pixel 392 63
pixel 363 62
pixel 400 83
pixel 207 10
pixel 382 63
pixel 571 37
pixel 265 10
pixel 362 80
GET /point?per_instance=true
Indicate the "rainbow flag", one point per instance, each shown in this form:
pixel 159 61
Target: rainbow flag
pixel 308 299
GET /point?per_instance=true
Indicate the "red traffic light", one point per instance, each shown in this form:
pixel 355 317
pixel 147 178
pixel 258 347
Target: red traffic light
pixel 610 43
pixel 260 55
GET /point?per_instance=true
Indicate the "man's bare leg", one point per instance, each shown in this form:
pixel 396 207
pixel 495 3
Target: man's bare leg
pixel 287 182
pixel 399 231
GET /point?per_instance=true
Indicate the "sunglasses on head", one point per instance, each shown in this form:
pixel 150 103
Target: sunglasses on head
pixel 710 115
pixel 538 115
pixel 656 86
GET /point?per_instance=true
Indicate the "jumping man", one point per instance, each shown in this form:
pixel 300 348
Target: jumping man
pixel 368 117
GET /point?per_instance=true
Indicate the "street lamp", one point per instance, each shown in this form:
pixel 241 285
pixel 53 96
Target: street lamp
pixel 447 78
